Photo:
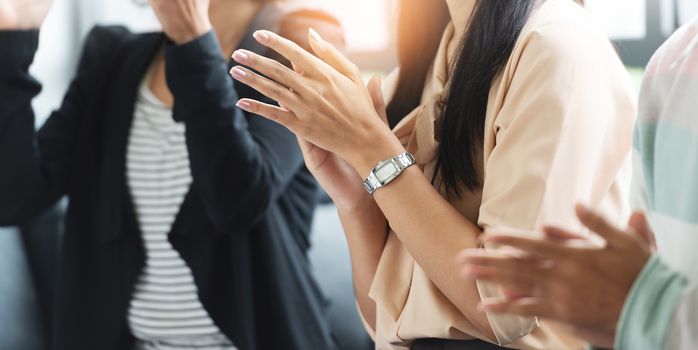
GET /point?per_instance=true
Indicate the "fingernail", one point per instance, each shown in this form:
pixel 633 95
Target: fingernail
pixel 243 105
pixel 314 35
pixel 262 36
pixel 240 57
pixel 238 73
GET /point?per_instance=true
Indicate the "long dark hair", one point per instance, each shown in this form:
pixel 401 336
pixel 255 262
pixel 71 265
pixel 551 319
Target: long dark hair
pixel 493 30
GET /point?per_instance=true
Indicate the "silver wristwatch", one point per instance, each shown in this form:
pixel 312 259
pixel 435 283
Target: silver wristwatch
pixel 387 170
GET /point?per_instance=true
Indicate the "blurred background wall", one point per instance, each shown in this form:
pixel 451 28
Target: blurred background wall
pixel 26 260
pixel 637 26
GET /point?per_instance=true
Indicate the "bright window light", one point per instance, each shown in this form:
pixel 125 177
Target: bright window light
pixel 365 22
pixel 622 19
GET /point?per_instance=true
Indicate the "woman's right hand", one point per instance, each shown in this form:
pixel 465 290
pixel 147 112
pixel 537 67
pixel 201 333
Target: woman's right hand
pixel 23 14
pixel 336 176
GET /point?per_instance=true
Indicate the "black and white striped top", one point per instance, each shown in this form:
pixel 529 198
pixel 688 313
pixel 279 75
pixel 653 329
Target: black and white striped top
pixel 165 305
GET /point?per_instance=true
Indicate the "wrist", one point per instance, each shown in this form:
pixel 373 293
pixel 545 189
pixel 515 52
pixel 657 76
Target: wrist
pixel 381 147
pixel 190 32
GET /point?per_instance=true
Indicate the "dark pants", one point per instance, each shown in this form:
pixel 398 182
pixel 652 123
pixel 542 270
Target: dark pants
pixel 448 344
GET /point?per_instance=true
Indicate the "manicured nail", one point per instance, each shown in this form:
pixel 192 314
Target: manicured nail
pixel 243 105
pixel 314 35
pixel 262 36
pixel 238 73
pixel 240 56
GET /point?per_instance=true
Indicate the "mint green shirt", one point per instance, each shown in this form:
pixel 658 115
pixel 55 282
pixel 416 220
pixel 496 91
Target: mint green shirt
pixel 649 311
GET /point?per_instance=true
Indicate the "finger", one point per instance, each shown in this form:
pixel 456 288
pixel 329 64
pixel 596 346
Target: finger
pixel 272 69
pixel 271 112
pixel 291 51
pixel 569 239
pixel 492 259
pixel 523 276
pixel 528 245
pixel 268 88
pixel 560 234
pixel 332 56
pixel 529 307
pixel 511 285
pixel 639 225
pixel 376 91
pixel 599 225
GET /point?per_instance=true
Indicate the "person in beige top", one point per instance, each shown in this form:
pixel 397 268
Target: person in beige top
pixel 525 109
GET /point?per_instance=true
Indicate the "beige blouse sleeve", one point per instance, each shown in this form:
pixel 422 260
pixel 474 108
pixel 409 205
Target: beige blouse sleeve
pixel 560 134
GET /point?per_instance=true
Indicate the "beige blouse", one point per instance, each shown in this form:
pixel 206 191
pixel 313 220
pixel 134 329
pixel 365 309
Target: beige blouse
pixel 558 131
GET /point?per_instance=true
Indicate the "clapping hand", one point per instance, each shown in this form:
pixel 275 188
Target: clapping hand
pixel 563 276
pixel 328 104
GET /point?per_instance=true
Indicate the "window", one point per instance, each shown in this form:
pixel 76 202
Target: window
pixel 639 27
pixel 631 12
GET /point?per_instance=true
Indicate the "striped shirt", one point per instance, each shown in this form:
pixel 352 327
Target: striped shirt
pixel 661 309
pixel 165 308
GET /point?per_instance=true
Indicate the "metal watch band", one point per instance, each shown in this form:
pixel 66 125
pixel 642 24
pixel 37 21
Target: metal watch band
pixel 387 171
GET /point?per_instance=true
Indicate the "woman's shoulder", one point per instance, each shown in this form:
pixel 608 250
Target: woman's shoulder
pixel 566 30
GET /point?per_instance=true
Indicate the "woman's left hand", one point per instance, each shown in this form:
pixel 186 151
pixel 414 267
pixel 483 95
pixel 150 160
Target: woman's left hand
pixel 327 103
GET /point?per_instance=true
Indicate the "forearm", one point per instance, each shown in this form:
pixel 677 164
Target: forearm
pixel 434 233
pixel 429 227
pixel 366 230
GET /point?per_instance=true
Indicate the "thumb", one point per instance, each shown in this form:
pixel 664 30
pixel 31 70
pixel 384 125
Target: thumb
pixel 376 91
pixel 332 56
pixel 639 225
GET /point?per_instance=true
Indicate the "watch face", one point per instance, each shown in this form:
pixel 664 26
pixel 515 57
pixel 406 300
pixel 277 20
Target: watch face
pixel 386 171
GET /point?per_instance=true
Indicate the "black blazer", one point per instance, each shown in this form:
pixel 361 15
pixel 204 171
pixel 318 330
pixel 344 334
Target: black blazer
pixel 243 227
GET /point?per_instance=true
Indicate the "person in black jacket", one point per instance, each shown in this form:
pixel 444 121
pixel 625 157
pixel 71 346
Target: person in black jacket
pixel 188 219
